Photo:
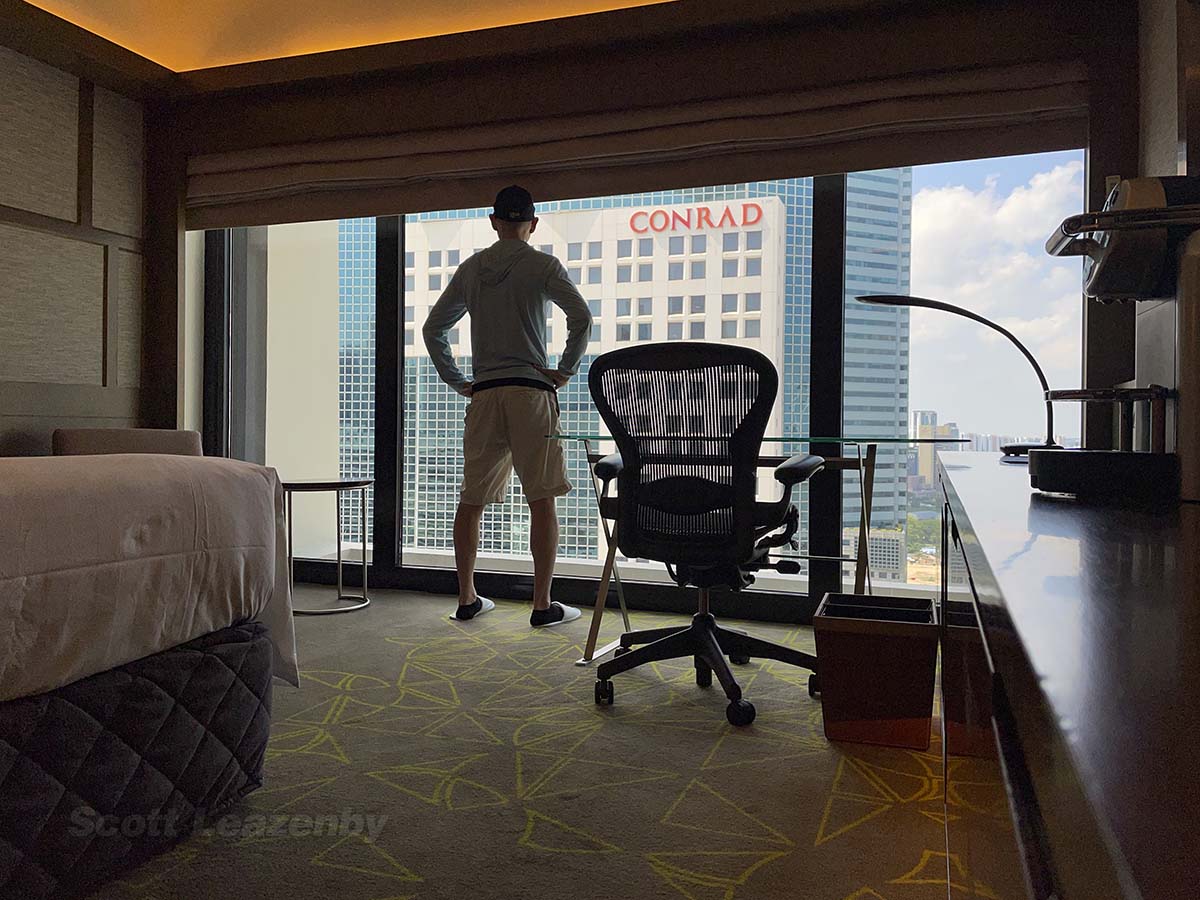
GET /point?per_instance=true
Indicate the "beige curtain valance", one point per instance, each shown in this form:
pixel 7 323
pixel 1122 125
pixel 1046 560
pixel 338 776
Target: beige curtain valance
pixel 937 116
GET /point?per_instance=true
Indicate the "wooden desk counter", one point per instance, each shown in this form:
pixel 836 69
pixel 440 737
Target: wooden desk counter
pixel 1091 619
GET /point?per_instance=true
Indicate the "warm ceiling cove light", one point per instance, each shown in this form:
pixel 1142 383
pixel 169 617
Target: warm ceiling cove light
pixel 197 34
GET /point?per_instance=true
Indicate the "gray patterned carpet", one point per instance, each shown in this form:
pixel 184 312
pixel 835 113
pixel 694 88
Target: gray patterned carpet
pixel 424 758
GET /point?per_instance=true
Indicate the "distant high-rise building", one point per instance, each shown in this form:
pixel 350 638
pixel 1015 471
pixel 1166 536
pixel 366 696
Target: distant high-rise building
pixel 927 453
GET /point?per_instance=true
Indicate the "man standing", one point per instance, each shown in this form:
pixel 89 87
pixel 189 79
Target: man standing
pixel 514 403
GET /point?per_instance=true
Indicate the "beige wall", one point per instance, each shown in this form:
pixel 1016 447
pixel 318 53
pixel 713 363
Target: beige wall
pixel 190 394
pixel 71 265
pixel 302 370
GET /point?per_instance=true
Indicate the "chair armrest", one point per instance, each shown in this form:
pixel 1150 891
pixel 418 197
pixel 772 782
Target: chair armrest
pixel 609 467
pixel 798 469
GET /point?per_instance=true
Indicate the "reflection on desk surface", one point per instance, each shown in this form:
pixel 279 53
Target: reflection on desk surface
pixel 797 439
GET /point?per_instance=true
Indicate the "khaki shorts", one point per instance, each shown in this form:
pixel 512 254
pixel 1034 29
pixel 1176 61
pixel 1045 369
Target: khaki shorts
pixel 506 429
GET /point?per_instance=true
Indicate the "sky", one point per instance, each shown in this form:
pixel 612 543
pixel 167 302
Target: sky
pixel 978 235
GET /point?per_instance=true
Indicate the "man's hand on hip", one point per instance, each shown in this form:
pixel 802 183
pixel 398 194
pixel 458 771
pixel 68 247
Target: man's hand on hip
pixel 556 377
pixel 467 389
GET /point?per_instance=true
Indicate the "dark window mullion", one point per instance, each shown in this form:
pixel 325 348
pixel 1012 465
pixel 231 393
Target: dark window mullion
pixel 387 539
pixel 217 283
pixel 826 372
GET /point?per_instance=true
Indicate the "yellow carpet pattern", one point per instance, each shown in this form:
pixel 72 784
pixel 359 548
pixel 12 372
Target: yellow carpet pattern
pixel 480 750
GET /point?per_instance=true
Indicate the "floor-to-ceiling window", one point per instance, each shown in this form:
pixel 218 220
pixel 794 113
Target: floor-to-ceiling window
pixel 723 263
pixel 968 233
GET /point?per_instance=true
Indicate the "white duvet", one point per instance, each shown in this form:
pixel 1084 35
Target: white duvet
pixel 108 559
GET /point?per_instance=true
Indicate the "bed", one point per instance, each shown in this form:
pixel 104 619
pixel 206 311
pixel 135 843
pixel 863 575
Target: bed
pixel 144 610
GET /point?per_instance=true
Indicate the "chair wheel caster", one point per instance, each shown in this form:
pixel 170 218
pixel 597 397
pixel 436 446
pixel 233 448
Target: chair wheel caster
pixel 604 692
pixel 740 712
pixel 704 676
pixel 814 686
pixel 739 660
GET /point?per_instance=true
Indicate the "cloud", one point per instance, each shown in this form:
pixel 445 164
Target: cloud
pixel 982 248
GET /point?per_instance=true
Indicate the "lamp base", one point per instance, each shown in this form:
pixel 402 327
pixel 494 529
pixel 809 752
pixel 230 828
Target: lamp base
pixel 1018 454
pixel 1119 476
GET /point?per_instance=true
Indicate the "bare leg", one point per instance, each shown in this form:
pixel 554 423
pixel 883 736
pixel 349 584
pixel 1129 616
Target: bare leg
pixel 543 544
pixel 466 547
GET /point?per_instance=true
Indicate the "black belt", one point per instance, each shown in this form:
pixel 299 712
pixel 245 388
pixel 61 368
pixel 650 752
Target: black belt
pixel 511 382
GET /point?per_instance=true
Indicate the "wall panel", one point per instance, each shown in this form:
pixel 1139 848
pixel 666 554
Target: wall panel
pixel 52 294
pixel 129 318
pixel 72 293
pixel 118 162
pixel 38 136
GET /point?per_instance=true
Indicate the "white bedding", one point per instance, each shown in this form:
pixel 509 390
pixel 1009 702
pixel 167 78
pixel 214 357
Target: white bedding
pixel 108 559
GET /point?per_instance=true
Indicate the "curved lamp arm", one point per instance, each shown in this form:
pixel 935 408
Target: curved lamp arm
pixel 905 300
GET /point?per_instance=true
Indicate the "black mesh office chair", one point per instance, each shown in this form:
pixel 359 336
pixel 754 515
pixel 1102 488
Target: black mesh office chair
pixel 688 420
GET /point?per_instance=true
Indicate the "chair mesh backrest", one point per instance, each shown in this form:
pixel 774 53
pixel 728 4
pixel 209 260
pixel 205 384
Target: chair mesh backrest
pixel 688 420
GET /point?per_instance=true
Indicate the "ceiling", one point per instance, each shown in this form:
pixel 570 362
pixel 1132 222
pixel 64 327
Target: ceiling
pixel 196 34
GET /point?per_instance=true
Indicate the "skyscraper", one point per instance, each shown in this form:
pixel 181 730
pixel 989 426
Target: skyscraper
pixel 719 263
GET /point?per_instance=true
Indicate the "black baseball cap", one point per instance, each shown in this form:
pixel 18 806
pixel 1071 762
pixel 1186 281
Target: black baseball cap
pixel 514 204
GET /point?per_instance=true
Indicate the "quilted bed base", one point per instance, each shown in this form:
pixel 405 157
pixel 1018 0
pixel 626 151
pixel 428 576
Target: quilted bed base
pixel 102 774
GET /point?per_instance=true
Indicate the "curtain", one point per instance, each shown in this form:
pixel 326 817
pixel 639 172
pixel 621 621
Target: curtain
pixel 934 117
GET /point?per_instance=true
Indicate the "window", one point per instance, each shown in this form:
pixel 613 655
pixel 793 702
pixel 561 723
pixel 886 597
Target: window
pixel 408 337
pixel 410 283
pixel 593 274
pixel 753 302
pixel 729 328
pixel 729 268
pixel 936 231
pixel 729 241
pixel 435 282
pixel 410 314
pixel 452 335
pixel 729 303
pixel 435 258
pixel 576 275
pixel 545 248
pixel 432 419
pixel 410 259
pixel 452 257
pixel 751 329
pixel 754 265
pixel 753 240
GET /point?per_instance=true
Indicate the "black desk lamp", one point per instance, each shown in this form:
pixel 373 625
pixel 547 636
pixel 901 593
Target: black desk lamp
pixel 1013 453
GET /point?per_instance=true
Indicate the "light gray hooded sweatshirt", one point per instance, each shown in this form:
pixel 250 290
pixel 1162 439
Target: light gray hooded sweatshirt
pixel 505 289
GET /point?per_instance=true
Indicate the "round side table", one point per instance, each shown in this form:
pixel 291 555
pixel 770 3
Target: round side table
pixel 338 486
